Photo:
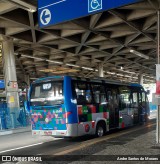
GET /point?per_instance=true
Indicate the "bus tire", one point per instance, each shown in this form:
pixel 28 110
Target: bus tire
pixel 100 130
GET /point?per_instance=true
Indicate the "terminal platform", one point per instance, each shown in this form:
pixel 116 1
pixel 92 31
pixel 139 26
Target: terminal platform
pixel 134 142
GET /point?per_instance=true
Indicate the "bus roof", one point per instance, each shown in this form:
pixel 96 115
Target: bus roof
pixel 48 78
pixel 135 85
pixel 96 79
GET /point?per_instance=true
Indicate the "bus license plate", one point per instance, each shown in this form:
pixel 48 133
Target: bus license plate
pixel 47 133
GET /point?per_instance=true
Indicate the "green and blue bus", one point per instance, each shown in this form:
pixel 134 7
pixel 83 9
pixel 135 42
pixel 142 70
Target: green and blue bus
pixel 65 106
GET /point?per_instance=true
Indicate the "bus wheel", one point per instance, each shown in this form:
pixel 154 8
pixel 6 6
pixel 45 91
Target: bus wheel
pixel 99 130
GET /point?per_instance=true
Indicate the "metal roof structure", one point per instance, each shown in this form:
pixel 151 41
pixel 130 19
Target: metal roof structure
pixel 124 40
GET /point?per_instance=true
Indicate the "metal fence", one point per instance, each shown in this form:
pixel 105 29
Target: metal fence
pixel 16 118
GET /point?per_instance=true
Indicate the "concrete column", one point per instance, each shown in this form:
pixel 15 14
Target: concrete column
pixel 10 78
pixel 27 79
pixel 140 79
pixel 100 70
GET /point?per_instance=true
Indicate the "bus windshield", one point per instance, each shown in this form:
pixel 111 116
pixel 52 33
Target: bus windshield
pixel 47 93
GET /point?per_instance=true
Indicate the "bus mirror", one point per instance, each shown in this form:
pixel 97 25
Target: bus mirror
pixel 148 92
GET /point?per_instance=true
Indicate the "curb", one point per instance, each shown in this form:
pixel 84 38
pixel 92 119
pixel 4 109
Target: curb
pixel 13 131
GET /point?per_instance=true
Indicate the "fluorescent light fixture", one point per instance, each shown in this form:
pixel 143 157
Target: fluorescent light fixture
pixel 131 51
pixel 126 71
pixel 139 54
pixel 33 78
pixel 32 57
pixel 127 76
pixel 111 73
pixel 72 65
pixel 119 74
pixel 24 5
pixel 87 68
pixel 53 61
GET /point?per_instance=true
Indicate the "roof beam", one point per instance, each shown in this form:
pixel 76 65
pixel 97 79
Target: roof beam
pixel 31 20
pixel 131 24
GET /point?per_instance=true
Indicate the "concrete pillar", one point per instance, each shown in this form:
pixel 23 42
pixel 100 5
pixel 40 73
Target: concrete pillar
pixel 10 78
pixel 100 70
pixel 27 79
pixel 140 79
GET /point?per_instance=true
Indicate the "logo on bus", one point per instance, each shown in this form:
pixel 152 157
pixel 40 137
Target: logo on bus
pixel 87 127
pixel 36 114
pixel 57 111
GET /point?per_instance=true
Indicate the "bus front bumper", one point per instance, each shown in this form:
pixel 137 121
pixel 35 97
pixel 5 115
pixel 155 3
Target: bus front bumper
pixel 71 131
pixel 49 132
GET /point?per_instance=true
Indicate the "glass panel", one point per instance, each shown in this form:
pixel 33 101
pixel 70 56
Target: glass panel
pixel 140 98
pixel 143 96
pixel 83 93
pixel 135 100
pixel 125 97
pixel 37 91
pixel 47 92
pixel 99 93
pixel 143 99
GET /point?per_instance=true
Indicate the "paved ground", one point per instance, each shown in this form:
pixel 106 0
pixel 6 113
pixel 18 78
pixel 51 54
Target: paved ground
pixel 133 141
pixel 16 140
pixel 16 130
pixel 141 142
pixel 138 140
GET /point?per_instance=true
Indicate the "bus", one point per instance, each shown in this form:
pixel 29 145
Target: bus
pixel 65 106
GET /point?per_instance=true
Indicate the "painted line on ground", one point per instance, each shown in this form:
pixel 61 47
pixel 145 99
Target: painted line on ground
pixel 69 149
pixel 22 147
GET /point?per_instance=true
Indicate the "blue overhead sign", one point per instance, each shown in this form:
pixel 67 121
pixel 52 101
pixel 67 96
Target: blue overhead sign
pixel 52 12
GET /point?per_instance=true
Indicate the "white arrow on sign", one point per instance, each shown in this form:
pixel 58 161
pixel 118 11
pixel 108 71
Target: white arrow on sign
pixel 45 16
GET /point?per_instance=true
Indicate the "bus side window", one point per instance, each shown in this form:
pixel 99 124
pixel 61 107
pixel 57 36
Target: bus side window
pixel 83 93
pixel 135 99
pixel 125 98
pixel 109 98
pixel 102 95
pixel 112 99
pixel 115 98
pixel 99 93
pixel 96 92
pixel 140 98
pixel 143 99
